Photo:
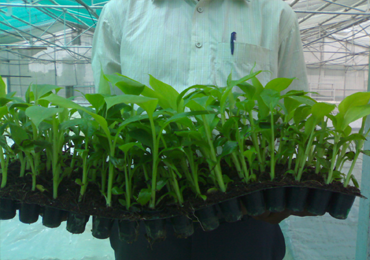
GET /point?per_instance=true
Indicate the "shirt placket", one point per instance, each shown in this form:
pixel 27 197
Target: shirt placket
pixel 199 46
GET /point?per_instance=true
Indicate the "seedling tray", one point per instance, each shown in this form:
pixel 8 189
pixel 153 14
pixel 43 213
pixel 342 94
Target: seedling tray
pixel 257 198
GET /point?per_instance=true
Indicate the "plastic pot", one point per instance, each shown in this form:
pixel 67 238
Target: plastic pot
pixel 340 205
pixel 318 201
pixel 296 199
pixel 254 203
pixel 101 227
pixel 231 210
pixel 207 218
pixel 275 199
pixel 155 230
pixel 29 213
pixel 76 222
pixel 128 231
pixel 7 209
pixel 183 226
pixel 52 217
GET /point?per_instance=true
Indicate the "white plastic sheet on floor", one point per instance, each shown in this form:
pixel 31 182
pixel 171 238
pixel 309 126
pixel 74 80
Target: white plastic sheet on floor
pixel 20 241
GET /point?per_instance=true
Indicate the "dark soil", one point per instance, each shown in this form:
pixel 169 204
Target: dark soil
pixel 19 189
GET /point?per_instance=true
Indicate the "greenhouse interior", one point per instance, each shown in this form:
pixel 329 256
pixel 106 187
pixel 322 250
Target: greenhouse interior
pixel 50 42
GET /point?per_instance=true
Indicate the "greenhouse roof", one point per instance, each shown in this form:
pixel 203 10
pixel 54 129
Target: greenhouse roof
pixel 25 20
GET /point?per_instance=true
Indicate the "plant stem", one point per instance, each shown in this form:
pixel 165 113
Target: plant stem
pixel 84 175
pixel 23 164
pixel 335 151
pixel 272 148
pixel 155 164
pixel 4 168
pixel 55 158
pixel 359 146
pixel 110 184
pixel 303 160
pixel 320 150
pixel 241 156
pixel 349 174
pixel 128 186
pixel 255 143
pixel 217 168
pixel 341 155
pixel 104 176
pixel 235 159
pixel 194 170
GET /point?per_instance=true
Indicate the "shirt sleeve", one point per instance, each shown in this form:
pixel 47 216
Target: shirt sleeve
pixel 105 51
pixel 291 63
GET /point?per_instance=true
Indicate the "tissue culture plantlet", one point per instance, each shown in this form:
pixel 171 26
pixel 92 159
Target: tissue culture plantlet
pixel 151 144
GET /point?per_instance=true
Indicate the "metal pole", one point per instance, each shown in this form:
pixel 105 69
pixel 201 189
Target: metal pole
pixel 363 234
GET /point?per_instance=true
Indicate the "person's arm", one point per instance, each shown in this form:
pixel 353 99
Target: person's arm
pixel 105 50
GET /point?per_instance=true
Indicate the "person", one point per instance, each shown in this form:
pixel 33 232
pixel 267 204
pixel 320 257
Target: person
pixel 188 42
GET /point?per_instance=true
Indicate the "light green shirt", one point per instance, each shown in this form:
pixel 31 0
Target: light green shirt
pixel 186 42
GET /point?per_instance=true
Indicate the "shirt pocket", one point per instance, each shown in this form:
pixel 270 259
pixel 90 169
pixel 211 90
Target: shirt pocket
pixel 240 64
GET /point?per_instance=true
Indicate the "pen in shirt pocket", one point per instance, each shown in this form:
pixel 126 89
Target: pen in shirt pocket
pixel 232 42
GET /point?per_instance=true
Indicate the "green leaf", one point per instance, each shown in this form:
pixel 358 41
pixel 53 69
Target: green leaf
pixel 250 154
pixel 309 126
pixel 126 147
pixel 212 190
pixel 355 182
pixel 166 91
pixel 228 148
pixel 3 111
pixel 122 202
pixel 38 114
pixel 142 136
pixel 366 152
pixel 18 134
pixel 144 196
pixel 301 113
pixel 148 104
pixel 78 182
pixel 2 88
pixel 350 138
pixel 248 89
pixel 291 104
pixel 161 183
pixel 226 179
pixel 126 84
pixel 355 112
pixel 279 84
pixel 117 190
pixel 232 83
pixel 63 102
pixel 41 90
pixel 319 110
pixel 96 100
pixel 192 134
pixel 203 197
pixel 304 100
pixel 356 99
pixel 41 188
pixel 103 87
pixel 271 98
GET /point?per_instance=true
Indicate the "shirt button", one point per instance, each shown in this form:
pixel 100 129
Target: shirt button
pixel 199 45
pixel 200 10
